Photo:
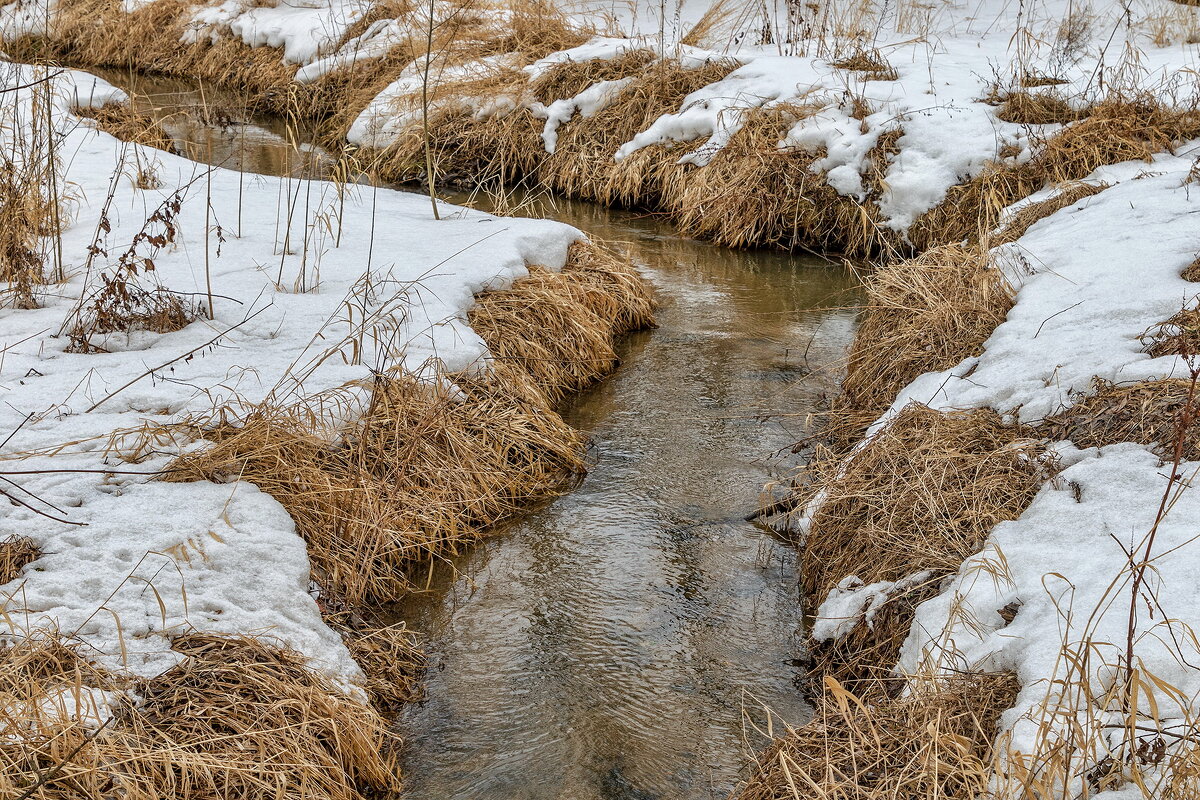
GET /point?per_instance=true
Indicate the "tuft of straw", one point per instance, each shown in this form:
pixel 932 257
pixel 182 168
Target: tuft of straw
pixel 920 496
pixel 236 717
pixel 128 124
pixel 1146 412
pixel 15 553
pixel 932 743
pixel 753 194
pixel 871 63
pixel 1192 271
pixel 1038 108
pixel 921 315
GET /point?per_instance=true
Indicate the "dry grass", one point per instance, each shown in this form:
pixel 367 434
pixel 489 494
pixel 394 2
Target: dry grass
pixel 126 123
pixel 754 194
pixel 871 63
pixel 582 164
pixel 236 718
pixel 389 655
pixel 922 315
pixel 1118 129
pixel 1178 336
pixel 15 553
pixel 31 187
pixel 432 464
pixel 1192 271
pixel 1038 108
pixel 1146 412
pixel 922 495
pixel 429 467
pixel 569 78
pixel 934 742
pixel 1028 215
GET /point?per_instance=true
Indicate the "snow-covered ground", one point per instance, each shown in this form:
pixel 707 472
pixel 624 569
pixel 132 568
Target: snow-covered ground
pixel 128 562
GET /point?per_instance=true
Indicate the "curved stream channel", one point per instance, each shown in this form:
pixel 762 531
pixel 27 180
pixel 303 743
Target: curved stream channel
pixel 624 640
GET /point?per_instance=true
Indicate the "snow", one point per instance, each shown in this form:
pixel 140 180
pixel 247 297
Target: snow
pixel 138 561
pixel 850 602
pixel 587 103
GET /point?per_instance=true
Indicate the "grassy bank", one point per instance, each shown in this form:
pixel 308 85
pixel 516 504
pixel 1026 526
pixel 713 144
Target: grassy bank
pixel 251 502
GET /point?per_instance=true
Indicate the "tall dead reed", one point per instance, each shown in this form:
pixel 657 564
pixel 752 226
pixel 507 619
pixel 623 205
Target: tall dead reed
pixel 31 186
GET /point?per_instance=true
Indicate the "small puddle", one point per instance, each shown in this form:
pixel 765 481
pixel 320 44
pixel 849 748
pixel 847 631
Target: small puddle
pixel 623 641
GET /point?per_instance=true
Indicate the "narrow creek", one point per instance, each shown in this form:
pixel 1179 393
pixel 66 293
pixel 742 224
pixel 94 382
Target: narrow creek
pixel 625 640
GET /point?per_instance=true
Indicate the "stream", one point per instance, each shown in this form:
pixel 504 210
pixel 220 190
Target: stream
pixel 635 639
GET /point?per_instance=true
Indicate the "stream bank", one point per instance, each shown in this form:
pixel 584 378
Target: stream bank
pixel 626 640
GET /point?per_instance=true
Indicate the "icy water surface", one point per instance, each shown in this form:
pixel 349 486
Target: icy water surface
pixel 622 641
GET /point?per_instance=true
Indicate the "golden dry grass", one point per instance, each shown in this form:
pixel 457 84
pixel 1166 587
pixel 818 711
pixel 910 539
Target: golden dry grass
pixel 424 472
pixel 1178 336
pixel 870 63
pixel 15 553
pixel 1192 271
pixel 389 655
pixel 1028 215
pixel 932 743
pixel 569 78
pixel 921 315
pixel 235 718
pixel 754 194
pixel 1146 412
pixel 1038 108
pixel 582 164
pixel 922 495
pixel 1118 129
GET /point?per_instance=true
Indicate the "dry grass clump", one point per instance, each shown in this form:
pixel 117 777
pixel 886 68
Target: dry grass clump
pixel 569 78
pixel 582 164
pixel 1192 271
pixel 753 194
pixel 236 718
pixel 1038 108
pixel 1032 213
pixel 1117 129
pixel 584 308
pixel 1146 412
pixel 239 718
pixel 1178 336
pixel 921 496
pixel 871 63
pixel 1035 81
pixel 922 315
pixel 933 742
pixel 15 553
pixel 389 655
pixel 468 149
pixel 128 124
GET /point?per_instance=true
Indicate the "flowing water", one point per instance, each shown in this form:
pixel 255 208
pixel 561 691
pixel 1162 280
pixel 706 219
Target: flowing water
pixel 624 641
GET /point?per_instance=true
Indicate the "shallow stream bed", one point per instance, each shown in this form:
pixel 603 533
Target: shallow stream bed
pixel 624 641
